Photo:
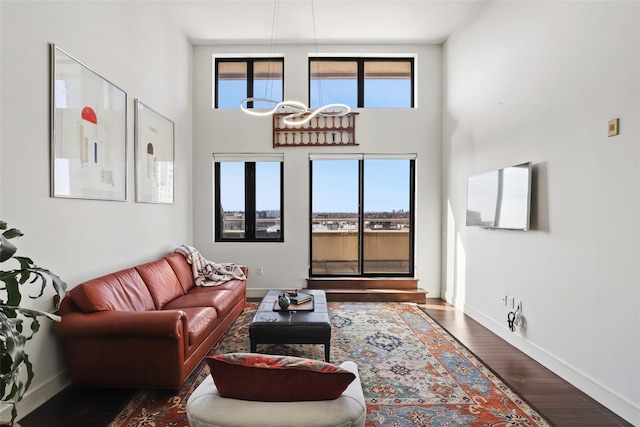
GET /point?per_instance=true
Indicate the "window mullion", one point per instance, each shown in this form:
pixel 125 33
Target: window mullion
pixel 413 92
pixel 361 83
pixel 250 83
pixel 361 216
pixel 219 220
pixel 282 200
pixel 412 216
pixel 311 272
pixel 250 200
pixel 216 84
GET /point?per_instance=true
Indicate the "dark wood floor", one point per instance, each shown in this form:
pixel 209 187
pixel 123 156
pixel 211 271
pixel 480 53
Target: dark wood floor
pixel 553 397
pixel 556 399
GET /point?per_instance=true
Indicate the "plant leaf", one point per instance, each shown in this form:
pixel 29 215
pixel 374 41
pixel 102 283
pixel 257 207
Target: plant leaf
pixel 60 287
pixel 13 290
pixel 6 249
pixel 31 312
pixel 13 348
pixel 16 370
pixel 12 233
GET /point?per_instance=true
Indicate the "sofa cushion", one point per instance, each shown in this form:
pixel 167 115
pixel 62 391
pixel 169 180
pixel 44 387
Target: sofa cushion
pixel 135 288
pixel 223 297
pixel 121 291
pixel 161 280
pixel 182 269
pixel 101 294
pixel 269 378
pixel 201 321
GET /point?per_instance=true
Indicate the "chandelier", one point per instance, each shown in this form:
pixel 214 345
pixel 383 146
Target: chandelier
pixel 298 112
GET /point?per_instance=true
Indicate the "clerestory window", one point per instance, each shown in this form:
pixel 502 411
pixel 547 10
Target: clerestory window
pixel 240 78
pixel 362 82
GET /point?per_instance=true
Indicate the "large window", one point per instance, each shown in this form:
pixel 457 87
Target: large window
pixel 362 215
pixel 362 82
pixel 239 78
pixel 248 198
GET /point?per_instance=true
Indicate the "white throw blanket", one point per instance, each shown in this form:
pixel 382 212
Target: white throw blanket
pixel 209 273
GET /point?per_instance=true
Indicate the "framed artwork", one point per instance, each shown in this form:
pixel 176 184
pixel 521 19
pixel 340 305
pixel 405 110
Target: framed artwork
pixel 154 152
pixel 88 132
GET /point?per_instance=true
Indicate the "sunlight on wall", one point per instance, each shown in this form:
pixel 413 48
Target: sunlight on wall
pixel 455 263
pixel 461 277
pixel 450 260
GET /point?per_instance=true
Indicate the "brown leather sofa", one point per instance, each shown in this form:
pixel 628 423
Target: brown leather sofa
pixel 145 326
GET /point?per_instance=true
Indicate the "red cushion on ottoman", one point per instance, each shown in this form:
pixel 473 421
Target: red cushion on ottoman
pixel 268 378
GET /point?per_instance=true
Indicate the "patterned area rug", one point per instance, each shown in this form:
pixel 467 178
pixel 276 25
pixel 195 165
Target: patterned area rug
pixel 413 373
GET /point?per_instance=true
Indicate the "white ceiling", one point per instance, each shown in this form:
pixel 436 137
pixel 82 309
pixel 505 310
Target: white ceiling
pixel 336 21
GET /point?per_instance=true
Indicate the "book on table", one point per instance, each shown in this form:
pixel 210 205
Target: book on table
pixel 300 298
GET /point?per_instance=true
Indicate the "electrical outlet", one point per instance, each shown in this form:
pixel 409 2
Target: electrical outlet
pixel 519 305
pixel 505 300
pixel 512 303
pixel 260 271
pixel 613 127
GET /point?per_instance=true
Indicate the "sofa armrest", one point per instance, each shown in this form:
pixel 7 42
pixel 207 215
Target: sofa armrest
pixel 130 349
pixel 159 324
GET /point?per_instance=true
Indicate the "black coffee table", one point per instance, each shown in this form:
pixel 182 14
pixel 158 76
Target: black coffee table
pixel 291 327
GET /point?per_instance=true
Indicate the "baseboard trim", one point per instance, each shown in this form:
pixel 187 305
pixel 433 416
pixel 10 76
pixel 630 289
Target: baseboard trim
pixel 450 298
pixel 256 293
pixel 601 393
pixel 36 396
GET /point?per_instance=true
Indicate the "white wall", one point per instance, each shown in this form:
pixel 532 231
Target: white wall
pixel 136 46
pixel 286 265
pixel 538 81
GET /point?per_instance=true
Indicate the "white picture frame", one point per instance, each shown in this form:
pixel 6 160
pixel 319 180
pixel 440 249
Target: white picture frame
pixel 154 154
pixel 88 132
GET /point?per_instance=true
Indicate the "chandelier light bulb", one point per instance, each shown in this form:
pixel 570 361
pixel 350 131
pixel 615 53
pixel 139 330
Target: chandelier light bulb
pixel 296 109
pixel 342 110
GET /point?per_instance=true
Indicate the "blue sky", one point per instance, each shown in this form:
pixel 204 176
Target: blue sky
pixel 386 186
pixel 267 186
pixel 381 93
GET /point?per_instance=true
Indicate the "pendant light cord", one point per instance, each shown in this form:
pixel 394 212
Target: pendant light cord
pixel 299 113
pixel 268 88
pixel 315 44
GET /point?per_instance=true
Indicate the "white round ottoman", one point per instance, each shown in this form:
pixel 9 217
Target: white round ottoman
pixel 206 408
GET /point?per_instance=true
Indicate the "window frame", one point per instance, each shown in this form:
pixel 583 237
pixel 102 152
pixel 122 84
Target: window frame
pixel 360 61
pixel 250 203
pixel 361 216
pixel 250 60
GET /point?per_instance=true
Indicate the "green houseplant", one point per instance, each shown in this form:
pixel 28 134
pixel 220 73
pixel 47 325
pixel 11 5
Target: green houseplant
pixel 16 370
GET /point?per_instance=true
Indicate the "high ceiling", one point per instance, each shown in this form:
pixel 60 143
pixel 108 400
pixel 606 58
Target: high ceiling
pixel 336 21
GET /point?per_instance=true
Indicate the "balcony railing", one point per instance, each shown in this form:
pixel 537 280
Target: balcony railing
pixel 336 251
pixel 265 227
pixel 335 243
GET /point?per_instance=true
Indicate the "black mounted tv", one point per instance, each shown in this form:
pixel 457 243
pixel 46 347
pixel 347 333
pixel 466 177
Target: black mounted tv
pixel 501 198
